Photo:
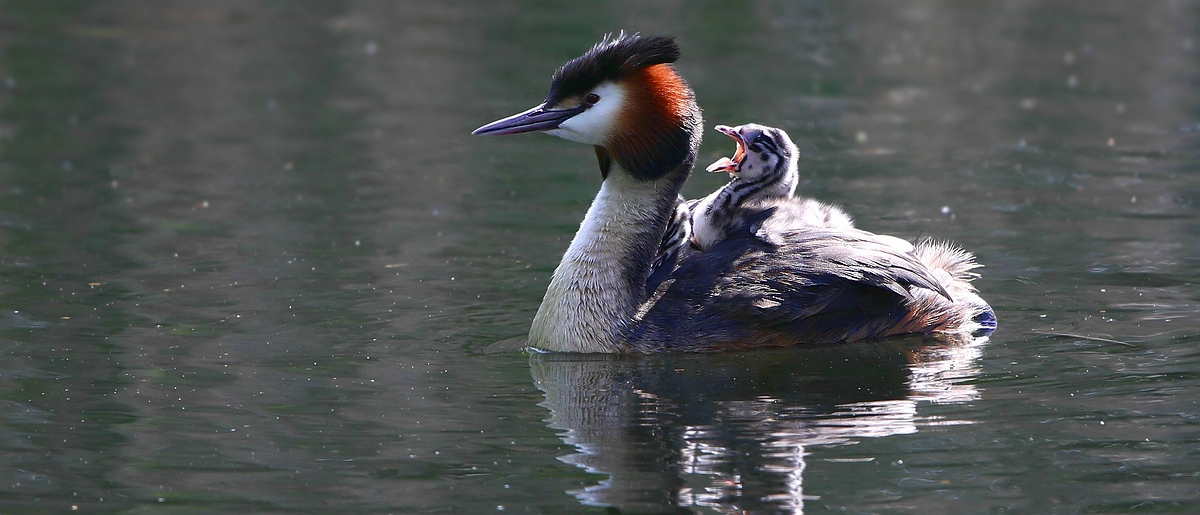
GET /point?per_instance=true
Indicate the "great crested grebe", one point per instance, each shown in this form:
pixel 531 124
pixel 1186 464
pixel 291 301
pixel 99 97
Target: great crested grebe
pixel 764 169
pixel 785 284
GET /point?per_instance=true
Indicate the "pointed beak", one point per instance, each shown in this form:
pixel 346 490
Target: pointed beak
pixel 722 165
pixel 537 119
pixel 726 164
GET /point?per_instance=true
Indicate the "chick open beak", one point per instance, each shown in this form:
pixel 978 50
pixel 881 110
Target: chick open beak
pixel 726 164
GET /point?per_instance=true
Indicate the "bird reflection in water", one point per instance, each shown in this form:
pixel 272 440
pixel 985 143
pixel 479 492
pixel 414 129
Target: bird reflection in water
pixel 731 431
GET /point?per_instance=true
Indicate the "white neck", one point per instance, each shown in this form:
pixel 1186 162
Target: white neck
pixel 595 291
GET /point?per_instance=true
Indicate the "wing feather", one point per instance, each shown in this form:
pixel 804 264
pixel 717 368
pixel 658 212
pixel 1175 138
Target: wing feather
pixel 799 284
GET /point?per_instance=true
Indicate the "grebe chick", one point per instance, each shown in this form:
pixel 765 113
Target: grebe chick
pixel 754 180
pixel 764 168
pixel 674 240
pixel 679 232
pixel 804 284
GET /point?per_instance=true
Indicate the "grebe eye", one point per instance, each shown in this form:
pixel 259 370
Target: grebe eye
pixel 591 98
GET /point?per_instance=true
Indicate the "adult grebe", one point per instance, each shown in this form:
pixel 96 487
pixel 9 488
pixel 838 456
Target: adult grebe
pixel 787 284
pixel 764 169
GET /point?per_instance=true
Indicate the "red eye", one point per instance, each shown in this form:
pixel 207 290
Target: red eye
pixel 591 98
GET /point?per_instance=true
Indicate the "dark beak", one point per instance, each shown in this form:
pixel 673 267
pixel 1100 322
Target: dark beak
pixel 537 119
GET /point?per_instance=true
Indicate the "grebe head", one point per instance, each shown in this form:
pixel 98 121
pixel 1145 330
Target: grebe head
pixel 623 97
pixel 761 151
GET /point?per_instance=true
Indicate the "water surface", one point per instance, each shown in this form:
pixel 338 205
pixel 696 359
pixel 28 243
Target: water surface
pixel 253 262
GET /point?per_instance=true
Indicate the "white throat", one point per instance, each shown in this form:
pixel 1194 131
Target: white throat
pixel 589 302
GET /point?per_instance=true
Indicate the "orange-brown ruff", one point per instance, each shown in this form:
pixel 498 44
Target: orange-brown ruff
pixel 657 104
pixel 770 281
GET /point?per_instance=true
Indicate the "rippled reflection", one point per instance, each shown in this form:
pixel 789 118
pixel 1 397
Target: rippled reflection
pixel 731 432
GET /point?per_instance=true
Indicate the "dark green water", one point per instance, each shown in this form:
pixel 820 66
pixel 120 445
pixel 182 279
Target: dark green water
pixel 251 261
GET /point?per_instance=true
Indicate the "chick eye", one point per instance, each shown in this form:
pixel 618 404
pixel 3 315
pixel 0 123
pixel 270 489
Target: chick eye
pixel 591 98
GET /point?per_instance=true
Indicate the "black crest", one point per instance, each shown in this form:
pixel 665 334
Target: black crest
pixel 610 60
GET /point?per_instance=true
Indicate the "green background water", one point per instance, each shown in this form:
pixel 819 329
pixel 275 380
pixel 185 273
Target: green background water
pixel 251 261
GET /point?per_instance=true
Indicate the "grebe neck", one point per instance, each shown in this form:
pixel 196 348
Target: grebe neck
pixel 598 287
